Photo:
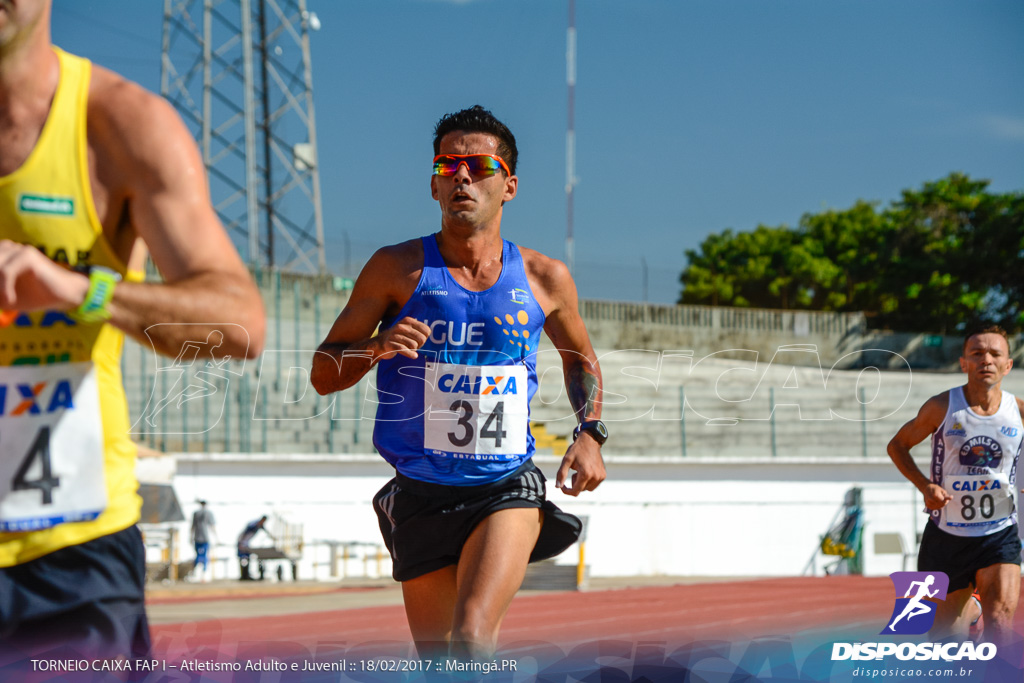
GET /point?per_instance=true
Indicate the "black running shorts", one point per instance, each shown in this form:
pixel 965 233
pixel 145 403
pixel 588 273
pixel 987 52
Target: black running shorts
pixel 960 557
pixel 84 601
pixel 425 525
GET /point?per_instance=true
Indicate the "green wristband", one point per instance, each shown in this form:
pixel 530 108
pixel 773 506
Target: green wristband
pixel 96 307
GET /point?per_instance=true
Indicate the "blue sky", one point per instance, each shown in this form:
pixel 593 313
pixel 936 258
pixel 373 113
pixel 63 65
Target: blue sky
pixel 692 116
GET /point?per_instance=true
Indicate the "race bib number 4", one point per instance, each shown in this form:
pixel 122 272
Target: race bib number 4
pixel 979 500
pixel 51 446
pixel 477 410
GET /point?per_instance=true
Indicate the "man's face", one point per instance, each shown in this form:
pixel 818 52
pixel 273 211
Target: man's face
pixel 19 16
pixel 6 21
pixel 986 358
pixel 466 198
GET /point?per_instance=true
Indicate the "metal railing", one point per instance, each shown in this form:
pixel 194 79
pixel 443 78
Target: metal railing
pixel 722 317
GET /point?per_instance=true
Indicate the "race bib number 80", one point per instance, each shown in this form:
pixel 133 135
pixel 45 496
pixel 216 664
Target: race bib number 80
pixel 979 500
pixel 51 446
pixel 480 410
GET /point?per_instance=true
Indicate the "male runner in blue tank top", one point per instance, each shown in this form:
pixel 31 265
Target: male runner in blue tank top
pixel 460 314
pixel 972 533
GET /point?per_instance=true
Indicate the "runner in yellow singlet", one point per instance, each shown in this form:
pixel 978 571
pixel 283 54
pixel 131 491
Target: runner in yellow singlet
pixel 93 169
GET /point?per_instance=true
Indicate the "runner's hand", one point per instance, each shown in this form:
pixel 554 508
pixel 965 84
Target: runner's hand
pixel 404 337
pixel 583 456
pixel 936 497
pixel 31 282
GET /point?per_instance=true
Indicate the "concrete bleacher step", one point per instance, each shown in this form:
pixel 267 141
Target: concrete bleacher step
pixel 546 440
pixel 548 576
pixel 714 388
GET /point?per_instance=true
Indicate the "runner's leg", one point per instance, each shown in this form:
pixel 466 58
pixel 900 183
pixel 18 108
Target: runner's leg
pixel 429 606
pixel 490 571
pixel 950 619
pixel 999 588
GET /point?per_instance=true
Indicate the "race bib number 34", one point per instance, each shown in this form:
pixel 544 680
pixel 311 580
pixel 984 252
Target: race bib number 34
pixel 979 500
pixel 51 446
pixel 479 410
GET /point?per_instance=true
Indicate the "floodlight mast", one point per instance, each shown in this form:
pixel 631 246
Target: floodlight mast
pixel 570 136
pixel 257 132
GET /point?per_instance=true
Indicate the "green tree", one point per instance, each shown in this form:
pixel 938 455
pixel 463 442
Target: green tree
pixel 710 276
pixel 941 257
pixel 853 241
pixel 954 248
pixel 767 268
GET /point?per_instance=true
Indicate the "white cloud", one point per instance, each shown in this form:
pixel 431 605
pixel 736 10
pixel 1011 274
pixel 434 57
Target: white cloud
pixel 1004 127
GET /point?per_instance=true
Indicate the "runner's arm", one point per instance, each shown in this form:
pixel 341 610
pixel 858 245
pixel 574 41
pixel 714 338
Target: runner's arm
pixel 582 375
pixel 206 286
pixel 351 348
pixel 928 419
pixel 1020 409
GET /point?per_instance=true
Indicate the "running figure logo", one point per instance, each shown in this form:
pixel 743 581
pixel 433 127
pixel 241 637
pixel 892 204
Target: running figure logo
pixel 913 614
pixel 194 374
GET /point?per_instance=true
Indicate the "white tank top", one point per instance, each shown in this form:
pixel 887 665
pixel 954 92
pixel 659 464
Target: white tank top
pixel 974 457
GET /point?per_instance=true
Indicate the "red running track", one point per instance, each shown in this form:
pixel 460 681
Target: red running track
pixel 736 611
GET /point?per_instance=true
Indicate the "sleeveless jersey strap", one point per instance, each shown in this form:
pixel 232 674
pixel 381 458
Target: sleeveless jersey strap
pixel 511 257
pixel 957 400
pixel 431 252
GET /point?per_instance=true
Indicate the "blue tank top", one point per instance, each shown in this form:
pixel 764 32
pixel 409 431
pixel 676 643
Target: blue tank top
pixel 460 413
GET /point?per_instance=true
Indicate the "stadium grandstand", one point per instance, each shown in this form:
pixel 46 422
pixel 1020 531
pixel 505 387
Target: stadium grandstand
pixel 757 418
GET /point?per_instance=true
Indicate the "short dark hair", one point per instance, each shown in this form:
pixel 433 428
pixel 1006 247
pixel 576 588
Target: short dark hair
pixel 476 119
pixel 985 329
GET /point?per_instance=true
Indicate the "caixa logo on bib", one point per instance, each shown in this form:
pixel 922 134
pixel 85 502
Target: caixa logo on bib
pixel 36 398
pixel 481 385
pixel 913 614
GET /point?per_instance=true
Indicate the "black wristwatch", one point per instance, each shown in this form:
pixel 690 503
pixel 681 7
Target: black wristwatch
pixel 595 428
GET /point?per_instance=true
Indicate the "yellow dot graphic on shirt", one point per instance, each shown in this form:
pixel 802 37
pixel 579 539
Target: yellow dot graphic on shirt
pixel 497 320
pixel 505 331
pixel 526 333
pixel 526 346
pixel 523 317
pixel 515 333
pixel 520 343
pixel 509 319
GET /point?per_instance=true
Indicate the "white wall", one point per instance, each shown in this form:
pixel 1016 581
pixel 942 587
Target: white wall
pixel 669 516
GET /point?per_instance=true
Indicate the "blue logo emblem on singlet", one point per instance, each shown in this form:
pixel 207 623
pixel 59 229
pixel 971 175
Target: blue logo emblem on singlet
pixel 981 451
pixel 1009 431
pixel 957 430
pixel 519 296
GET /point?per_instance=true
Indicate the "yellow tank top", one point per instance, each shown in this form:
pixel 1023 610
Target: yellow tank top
pixel 67 464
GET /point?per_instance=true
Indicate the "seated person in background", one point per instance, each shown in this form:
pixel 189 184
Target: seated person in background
pixel 245 551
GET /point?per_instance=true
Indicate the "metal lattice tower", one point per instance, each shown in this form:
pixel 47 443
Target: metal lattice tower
pixel 570 136
pixel 239 73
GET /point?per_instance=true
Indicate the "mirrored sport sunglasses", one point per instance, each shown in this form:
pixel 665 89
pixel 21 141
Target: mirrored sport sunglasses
pixel 478 164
